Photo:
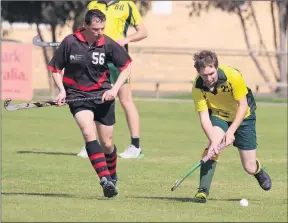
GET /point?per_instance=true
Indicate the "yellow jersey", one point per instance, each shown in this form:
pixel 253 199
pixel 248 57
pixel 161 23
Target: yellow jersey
pixel 119 15
pixel 222 100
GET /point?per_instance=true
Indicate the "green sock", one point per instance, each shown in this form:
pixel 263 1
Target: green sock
pixel 206 174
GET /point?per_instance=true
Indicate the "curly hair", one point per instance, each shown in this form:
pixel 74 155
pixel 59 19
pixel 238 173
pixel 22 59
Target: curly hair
pixel 92 14
pixel 205 58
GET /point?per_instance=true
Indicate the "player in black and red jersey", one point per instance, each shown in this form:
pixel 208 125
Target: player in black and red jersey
pixel 84 56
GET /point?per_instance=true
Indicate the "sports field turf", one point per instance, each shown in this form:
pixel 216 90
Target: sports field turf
pixel 44 181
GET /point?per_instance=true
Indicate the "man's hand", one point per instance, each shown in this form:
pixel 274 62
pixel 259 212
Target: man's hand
pixel 109 95
pixel 61 98
pixel 123 42
pixel 213 148
pixel 228 138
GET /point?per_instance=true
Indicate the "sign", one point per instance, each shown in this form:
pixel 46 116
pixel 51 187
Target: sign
pixel 16 67
pixel 162 7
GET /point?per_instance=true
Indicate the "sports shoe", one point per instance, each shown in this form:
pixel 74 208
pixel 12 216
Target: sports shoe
pixel 109 188
pixel 131 152
pixel 201 196
pixel 264 180
pixel 83 153
pixel 114 180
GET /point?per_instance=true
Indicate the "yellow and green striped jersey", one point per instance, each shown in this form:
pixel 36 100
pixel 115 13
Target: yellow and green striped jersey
pixel 119 15
pixel 222 101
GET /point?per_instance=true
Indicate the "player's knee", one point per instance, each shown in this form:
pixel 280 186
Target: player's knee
pixel 125 94
pixel 89 134
pixel 250 167
pixel 107 143
pixel 126 101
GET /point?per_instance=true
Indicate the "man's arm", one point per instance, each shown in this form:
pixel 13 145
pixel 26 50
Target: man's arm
pixel 202 108
pixel 136 22
pixel 239 93
pixel 125 73
pixel 206 124
pixel 57 77
pixel 240 114
pixel 56 65
pixel 112 93
pixel 141 33
pixel 239 90
pixel 121 59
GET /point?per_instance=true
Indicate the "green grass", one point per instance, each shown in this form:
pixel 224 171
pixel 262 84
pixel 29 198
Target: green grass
pixel 44 181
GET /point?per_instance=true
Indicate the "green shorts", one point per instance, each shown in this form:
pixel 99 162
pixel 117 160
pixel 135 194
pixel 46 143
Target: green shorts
pixel 114 74
pixel 245 136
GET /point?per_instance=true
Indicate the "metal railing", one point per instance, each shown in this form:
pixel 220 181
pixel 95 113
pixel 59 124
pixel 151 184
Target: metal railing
pixel 192 50
pixel 159 82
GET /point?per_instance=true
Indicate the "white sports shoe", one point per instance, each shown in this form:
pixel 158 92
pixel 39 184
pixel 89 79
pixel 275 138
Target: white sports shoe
pixel 130 152
pixel 83 153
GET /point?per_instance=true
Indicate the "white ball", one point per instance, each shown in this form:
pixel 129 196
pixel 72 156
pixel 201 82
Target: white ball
pixel 244 202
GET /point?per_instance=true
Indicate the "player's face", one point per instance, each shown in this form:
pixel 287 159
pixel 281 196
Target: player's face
pixel 96 29
pixel 209 75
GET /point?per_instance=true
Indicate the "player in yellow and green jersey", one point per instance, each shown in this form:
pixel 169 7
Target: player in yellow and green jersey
pixel 119 16
pixel 226 108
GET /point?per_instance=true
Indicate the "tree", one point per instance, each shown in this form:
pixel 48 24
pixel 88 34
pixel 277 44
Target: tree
pixel 282 58
pixel 54 13
pixel 245 12
pixel 143 5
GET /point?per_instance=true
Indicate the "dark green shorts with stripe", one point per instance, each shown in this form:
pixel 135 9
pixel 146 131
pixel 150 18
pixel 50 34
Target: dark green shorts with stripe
pixel 114 74
pixel 245 136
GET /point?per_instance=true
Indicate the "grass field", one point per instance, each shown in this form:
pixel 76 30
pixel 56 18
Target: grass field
pixel 258 98
pixel 44 181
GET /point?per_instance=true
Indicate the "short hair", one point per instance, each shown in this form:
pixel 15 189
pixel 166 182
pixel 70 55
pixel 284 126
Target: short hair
pixel 94 14
pixel 205 58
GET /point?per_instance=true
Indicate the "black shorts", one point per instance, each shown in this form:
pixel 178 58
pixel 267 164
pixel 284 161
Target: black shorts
pixel 103 113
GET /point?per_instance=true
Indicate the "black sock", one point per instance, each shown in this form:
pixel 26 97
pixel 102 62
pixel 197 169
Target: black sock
pixel 135 141
pixel 111 160
pixel 97 159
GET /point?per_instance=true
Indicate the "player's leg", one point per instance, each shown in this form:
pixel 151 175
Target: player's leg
pixel 132 117
pixel 246 142
pixel 106 140
pixel 131 113
pixel 114 74
pixel 83 153
pixel 207 170
pixel 85 121
pixel 105 120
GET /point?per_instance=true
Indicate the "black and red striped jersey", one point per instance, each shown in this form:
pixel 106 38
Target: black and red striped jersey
pixel 86 73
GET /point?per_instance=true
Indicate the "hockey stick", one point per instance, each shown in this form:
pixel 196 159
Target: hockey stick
pixel 192 169
pixel 27 105
pixel 37 42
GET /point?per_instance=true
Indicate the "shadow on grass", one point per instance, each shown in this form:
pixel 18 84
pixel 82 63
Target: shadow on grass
pixel 180 199
pixel 192 200
pixel 39 194
pixel 51 195
pixel 47 153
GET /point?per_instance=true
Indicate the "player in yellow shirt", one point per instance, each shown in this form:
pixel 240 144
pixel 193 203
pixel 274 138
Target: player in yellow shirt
pixel 226 108
pixel 119 16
